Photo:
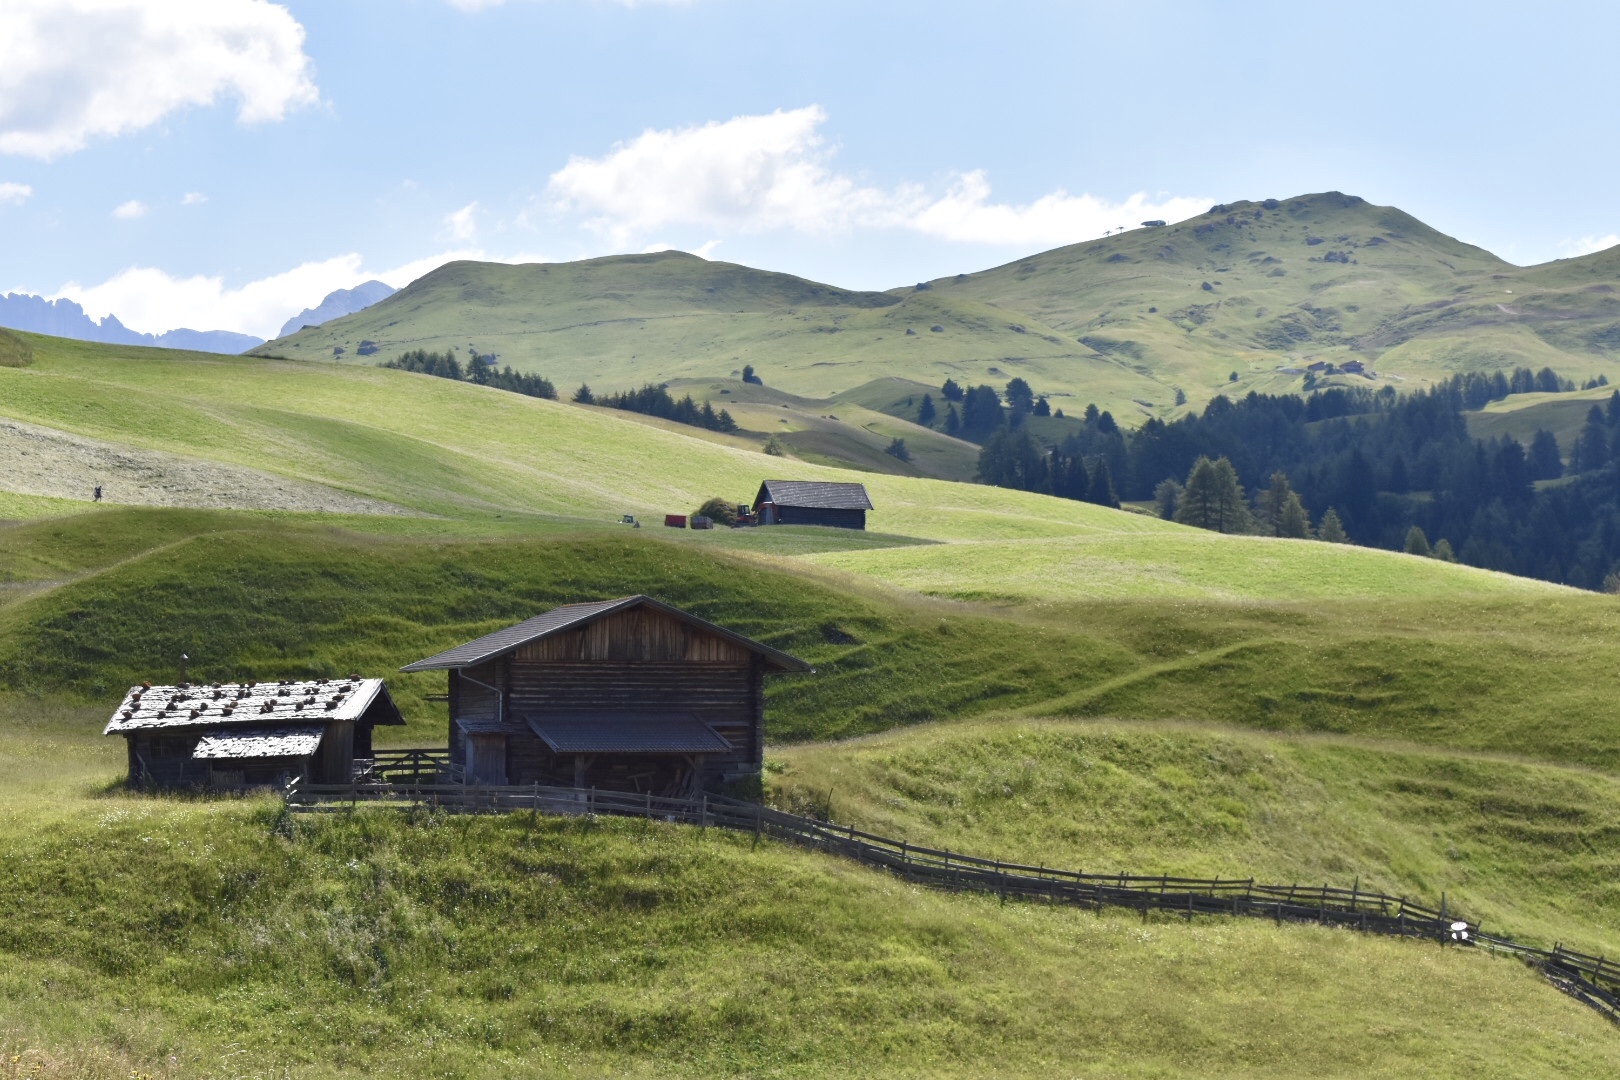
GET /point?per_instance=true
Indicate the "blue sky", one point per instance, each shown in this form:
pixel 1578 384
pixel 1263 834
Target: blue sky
pixel 220 164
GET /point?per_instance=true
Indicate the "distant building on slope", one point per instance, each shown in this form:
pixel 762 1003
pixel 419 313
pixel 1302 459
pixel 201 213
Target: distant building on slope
pixel 622 695
pixel 812 502
pixel 232 735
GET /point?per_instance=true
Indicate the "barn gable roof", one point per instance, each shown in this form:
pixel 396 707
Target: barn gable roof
pixel 315 701
pixel 574 616
pixel 820 494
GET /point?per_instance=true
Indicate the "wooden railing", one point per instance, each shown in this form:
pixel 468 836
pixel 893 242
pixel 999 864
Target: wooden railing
pixel 1593 980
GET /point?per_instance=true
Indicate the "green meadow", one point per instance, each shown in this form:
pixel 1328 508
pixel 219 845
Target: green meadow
pixel 1003 673
pixel 1251 289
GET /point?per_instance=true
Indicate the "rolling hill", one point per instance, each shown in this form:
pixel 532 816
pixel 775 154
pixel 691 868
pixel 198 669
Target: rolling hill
pixel 1030 675
pixel 1255 289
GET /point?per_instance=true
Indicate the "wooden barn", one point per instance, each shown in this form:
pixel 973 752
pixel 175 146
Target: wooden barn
pixel 231 735
pixel 812 502
pixel 625 695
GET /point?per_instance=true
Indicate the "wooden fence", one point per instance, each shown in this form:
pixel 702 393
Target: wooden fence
pixel 1593 980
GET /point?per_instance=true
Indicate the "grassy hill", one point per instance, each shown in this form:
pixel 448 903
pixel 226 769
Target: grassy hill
pixel 217 938
pixel 1252 288
pixel 621 321
pixel 1030 676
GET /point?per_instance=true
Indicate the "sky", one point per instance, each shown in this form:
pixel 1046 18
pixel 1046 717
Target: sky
pixel 223 164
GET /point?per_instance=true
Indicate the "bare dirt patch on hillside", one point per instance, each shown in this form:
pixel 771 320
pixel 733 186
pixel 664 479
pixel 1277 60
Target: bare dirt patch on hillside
pixel 43 461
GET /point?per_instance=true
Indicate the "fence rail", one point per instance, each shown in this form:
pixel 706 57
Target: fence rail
pixel 1594 980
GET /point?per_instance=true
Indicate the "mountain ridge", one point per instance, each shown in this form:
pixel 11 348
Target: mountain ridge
pixel 66 318
pixel 337 303
pixel 1147 322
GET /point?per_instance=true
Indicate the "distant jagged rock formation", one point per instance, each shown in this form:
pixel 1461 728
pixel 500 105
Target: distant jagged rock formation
pixel 337 304
pixel 65 318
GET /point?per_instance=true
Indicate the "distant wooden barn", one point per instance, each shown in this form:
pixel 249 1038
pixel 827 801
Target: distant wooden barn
pixel 231 735
pixel 812 502
pixel 628 694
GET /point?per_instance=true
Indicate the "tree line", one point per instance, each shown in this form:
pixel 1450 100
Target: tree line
pixel 656 401
pixel 480 370
pixel 1371 467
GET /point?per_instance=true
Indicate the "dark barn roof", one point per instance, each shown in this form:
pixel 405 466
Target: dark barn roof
pixel 573 616
pixel 820 494
pixel 313 701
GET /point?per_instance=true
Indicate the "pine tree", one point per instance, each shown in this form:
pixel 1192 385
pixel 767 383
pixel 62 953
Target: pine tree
pixel 1213 498
pixel 1272 500
pixel 1042 406
pixel 1166 497
pixel 1331 530
pixel 583 395
pixel 1100 490
pixel 953 423
pixel 951 391
pixel 1292 521
pixel 925 411
pixel 1416 542
pixel 1442 550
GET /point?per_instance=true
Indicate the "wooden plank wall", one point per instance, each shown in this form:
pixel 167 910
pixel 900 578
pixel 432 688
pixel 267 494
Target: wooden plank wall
pixel 816 515
pixel 642 660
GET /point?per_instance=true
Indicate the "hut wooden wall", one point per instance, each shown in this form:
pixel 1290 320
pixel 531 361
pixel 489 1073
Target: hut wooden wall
pixel 641 660
pixel 818 515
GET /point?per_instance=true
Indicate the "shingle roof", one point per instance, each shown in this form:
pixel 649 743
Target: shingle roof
pixel 626 733
pixel 315 700
pixel 258 742
pixel 821 494
pixel 570 616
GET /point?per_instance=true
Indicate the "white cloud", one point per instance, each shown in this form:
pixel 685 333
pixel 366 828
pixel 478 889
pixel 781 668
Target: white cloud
pixel 152 301
pixel 965 213
pixel 463 224
pixel 73 70
pixel 193 198
pixel 761 173
pixel 14 193
pixel 129 211
pixel 1588 245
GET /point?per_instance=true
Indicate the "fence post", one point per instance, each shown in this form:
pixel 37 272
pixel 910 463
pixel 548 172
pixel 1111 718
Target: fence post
pixel 703 814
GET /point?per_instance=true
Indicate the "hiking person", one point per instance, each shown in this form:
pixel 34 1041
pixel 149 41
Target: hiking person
pixel 98 493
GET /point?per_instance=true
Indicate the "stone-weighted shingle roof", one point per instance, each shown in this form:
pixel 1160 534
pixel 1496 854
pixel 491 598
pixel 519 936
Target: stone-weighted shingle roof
pixel 215 704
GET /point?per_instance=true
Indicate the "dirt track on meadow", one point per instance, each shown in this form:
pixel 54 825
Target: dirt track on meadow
pixel 43 461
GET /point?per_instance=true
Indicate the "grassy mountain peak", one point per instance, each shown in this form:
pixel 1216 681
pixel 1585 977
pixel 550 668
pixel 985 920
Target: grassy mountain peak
pixel 1244 297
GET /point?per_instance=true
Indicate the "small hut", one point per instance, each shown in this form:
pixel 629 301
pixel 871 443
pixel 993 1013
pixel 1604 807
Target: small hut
pixel 232 735
pixel 812 502
pixel 625 695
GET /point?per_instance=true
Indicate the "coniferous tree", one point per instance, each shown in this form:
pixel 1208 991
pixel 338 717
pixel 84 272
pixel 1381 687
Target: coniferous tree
pixel 583 395
pixel 1331 529
pixel 1545 461
pixel 1166 497
pixel 1592 447
pixel 1100 489
pixel 951 391
pixel 1269 505
pixel 953 423
pixel 1020 398
pixel 1416 542
pixel 1042 406
pixel 1293 522
pixel 1213 498
pixel 1442 550
pixel 925 411
pixel 981 413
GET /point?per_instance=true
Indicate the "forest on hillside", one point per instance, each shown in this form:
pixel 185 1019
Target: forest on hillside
pixel 1380 469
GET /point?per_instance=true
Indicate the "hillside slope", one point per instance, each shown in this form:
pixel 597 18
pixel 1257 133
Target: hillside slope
pixel 1255 289
pixel 620 321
